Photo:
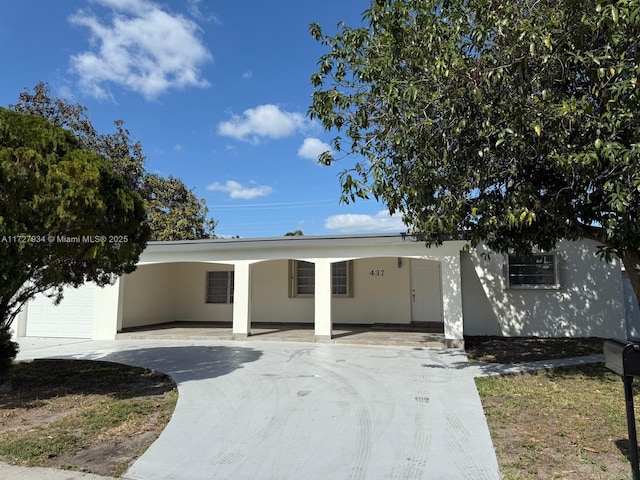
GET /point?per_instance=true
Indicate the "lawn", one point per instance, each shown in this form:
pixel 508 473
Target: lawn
pixel 566 423
pixel 89 416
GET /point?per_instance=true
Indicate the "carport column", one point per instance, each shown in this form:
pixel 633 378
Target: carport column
pixel 322 310
pixel 107 310
pixel 242 300
pixel 452 301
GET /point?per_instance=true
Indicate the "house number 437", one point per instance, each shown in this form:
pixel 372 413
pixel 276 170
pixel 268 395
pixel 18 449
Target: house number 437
pixel 377 273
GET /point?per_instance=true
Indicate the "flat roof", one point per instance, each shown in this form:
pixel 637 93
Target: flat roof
pixel 310 238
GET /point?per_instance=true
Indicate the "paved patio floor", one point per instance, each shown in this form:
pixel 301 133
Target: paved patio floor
pixel 428 336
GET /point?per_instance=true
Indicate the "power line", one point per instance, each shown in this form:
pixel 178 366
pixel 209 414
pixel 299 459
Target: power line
pixel 280 205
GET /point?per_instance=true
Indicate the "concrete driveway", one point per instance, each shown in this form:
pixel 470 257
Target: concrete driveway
pixel 281 410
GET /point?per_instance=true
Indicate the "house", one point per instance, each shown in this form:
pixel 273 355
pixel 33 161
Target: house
pixel 356 279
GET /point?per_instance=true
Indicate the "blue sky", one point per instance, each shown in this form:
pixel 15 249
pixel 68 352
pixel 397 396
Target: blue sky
pixel 215 90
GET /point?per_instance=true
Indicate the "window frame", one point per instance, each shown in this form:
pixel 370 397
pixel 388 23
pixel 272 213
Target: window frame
pixel 348 275
pixel 522 262
pixel 229 286
pixel 294 279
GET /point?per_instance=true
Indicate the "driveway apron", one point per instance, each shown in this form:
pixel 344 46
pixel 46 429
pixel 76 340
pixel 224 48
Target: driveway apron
pixel 284 410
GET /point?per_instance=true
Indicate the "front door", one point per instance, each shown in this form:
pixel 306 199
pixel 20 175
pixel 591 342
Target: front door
pixel 426 291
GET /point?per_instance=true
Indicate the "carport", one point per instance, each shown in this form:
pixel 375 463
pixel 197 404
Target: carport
pixel 386 281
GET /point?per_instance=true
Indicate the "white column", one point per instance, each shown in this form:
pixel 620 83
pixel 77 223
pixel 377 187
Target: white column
pixel 452 301
pixel 121 282
pixel 107 310
pixel 242 301
pixel 322 297
pixel 19 326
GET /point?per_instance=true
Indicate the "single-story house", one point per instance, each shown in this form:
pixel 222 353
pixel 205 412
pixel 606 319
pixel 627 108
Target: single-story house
pixel 355 279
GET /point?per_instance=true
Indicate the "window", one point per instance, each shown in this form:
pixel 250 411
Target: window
pixel 305 280
pixel 340 278
pixel 302 280
pixel 220 287
pixel 535 271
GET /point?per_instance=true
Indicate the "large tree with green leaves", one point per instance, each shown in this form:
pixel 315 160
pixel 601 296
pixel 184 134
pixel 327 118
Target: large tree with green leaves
pixel 66 215
pixel 174 212
pixel 125 154
pixel 514 122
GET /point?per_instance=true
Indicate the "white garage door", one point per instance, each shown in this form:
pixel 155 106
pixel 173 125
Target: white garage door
pixel 72 318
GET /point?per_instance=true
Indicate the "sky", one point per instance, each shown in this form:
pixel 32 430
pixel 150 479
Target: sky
pixel 216 91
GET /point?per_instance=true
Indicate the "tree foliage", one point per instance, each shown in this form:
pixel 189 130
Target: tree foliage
pixel 173 211
pixel 126 155
pixel 515 122
pixel 66 216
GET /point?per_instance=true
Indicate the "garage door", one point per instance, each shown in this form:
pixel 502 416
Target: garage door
pixel 72 318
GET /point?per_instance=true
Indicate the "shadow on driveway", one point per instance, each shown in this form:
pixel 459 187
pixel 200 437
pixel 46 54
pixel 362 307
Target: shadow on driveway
pixel 182 363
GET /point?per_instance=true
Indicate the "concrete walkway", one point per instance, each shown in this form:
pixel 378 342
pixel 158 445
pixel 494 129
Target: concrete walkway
pixel 280 410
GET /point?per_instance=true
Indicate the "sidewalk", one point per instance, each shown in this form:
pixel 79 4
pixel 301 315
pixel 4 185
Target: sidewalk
pixel 10 472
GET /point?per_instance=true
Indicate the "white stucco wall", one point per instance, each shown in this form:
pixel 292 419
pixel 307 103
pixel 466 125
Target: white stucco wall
pixel 631 308
pixel 107 311
pixel 190 283
pixel 270 295
pixel 19 325
pixel 479 316
pixel 589 302
pixel 161 293
pixel 377 298
pixel 149 295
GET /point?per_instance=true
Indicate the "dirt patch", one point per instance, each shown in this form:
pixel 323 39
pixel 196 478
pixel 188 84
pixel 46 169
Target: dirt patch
pixel 529 349
pixel 95 417
pixel 119 454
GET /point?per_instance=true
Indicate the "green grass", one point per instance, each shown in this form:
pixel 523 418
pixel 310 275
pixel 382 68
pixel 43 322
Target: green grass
pixel 82 415
pixel 566 423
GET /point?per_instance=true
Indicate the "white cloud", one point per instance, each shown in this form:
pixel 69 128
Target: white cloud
pixel 140 47
pixel 247 74
pixel 196 12
pixel 263 121
pixel 312 148
pixel 237 190
pixel 350 223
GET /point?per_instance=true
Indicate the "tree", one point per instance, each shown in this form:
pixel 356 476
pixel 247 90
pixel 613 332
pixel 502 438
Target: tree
pixel 66 215
pixel 173 211
pixel 515 123
pixel 295 233
pixel 126 155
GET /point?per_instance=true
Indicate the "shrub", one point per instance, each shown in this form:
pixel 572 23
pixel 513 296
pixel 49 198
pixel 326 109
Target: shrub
pixel 8 350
